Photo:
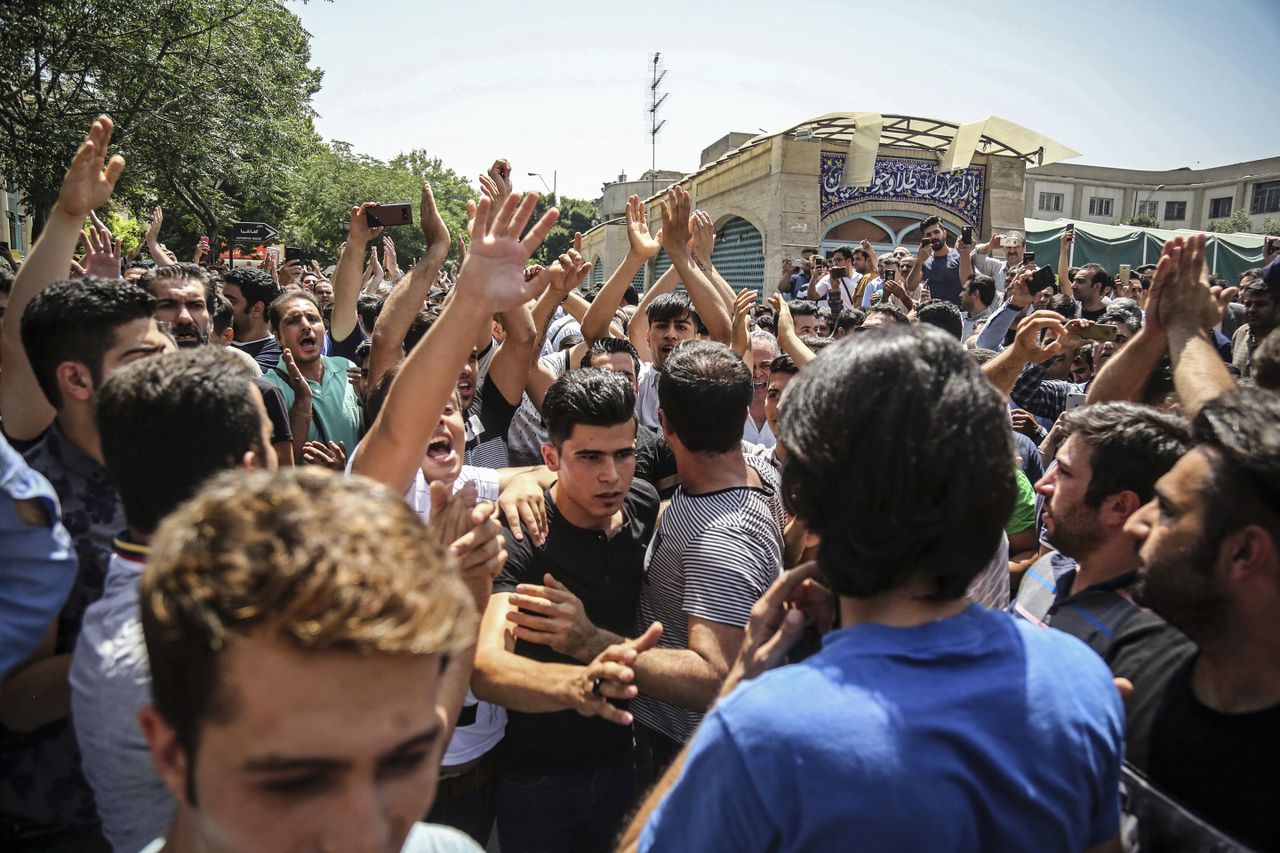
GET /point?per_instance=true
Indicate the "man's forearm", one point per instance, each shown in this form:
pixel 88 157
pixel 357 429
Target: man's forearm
pixel 595 324
pixel 300 423
pixel 705 297
pixel 993 333
pixel 1198 372
pixel 1003 370
pixel 1126 373
pixel 397 315
pixel 791 344
pixel 522 684
pixel 679 677
pixel 346 289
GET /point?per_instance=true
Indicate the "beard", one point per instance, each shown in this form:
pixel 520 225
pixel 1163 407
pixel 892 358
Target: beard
pixel 189 336
pixel 1180 587
pixel 1075 532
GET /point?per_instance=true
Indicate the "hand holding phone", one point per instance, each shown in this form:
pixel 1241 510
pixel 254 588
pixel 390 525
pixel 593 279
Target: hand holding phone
pixel 388 215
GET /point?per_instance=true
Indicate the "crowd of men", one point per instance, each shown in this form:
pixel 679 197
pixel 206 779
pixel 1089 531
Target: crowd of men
pixel 423 561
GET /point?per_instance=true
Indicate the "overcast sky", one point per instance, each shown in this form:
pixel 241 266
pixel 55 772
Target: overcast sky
pixel 559 86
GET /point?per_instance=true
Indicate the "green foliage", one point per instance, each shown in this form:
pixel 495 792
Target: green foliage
pixel 211 101
pixel 576 216
pixel 129 229
pixel 1239 222
pixel 1140 221
pixel 1269 227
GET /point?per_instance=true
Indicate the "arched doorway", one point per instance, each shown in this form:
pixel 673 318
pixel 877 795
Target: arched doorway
pixel 884 230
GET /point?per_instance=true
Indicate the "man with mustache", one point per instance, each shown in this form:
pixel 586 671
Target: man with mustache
pixel 183 295
pixel 939 266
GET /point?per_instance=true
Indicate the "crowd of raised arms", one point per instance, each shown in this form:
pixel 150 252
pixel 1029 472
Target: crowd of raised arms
pixel 935 550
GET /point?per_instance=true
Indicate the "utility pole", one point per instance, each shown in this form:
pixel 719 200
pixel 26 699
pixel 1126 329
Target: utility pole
pixel 655 102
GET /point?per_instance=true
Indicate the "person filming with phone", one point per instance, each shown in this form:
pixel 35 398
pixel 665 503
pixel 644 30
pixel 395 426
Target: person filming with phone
pixel 939 266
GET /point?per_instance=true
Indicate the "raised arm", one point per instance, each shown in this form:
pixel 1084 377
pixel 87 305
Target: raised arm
pixel 1064 258
pixel 787 337
pixel 347 276
pixel 595 325
pixel 87 186
pixel 162 256
pixel 701 246
pixel 1187 307
pixel 492 279
pixel 1003 370
pixel 917 269
pixel 966 260
pixel 707 300
pixel 405 301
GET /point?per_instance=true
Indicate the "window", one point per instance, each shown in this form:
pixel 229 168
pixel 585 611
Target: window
pixel 1052 202
pixel 1099 206
pixel 1175 211
pixel 1219 207
pixel 1266 198
pixel 1148 208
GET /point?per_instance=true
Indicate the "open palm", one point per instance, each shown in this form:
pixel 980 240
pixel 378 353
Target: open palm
pixel 87 184
pixel 638 230
pixel 494 270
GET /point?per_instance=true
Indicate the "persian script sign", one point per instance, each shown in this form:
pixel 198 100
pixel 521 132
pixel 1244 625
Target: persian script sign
pixel 905 179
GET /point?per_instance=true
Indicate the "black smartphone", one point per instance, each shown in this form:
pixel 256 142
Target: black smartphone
pixel 1029 257
pixel 1071 228
pixel 1043 278
pixel 838 272
pixel 388 215
pixel 294 253
pixel 966 235
pixel 1103 332
pixel 890 274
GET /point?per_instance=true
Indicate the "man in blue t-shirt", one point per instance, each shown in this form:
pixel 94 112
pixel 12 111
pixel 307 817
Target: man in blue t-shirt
pixel 925 722
pixel 942 268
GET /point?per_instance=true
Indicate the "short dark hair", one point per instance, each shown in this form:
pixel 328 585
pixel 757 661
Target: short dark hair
pixel 929 222
pixel 850 318
pixel 275 311
pixel 77 321
pixel 1240 428
pixel 1259 287
pixel 985 287
pixel 893 311
pixel 422 323
pixel 368 307
pixel 844 252
pixel 784 364
pixel 672 306
pixel 1118 315
pixel 1133 446
pixel 255 286
pixel 883 485
pixel 704 393
pixel 169 422
pixel 944 315
pixel 803 308
pixel 1064 305
pixel 222 313
pixel 180 272
pixel 1266 362
pixel 1098 276
pixel 611 346
pixel 590 397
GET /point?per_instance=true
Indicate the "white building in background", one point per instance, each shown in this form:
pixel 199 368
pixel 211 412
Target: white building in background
pixel 1178 198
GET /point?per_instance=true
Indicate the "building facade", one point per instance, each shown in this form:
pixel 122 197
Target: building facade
pixel 1178 198
pixel 772 196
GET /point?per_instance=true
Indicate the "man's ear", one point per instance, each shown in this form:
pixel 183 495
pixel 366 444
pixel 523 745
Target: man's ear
pixel 1117 508
pixel 75 382
pixel 1250 554
pixel 551 456
pixel 167 754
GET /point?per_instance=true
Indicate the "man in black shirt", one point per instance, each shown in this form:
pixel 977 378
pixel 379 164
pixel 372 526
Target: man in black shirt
pixel 565 778
pixel 1204 724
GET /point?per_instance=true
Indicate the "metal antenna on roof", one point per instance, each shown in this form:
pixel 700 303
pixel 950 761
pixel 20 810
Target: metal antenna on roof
pixel 655 101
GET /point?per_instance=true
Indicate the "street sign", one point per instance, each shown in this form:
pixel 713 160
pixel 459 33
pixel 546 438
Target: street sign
pixel 252 232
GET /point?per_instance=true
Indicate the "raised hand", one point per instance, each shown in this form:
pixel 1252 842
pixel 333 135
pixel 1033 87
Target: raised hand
pixel 494 270
pixel 776 623
pixel 1180 293
pixel 297 382
pixel 101 253
pixel 742 305
pixel 434 230
pixel 1027 341
pixel 642 245
pixel 786 326
pixel 610 676
pixel 157 219
pixel 676 230
pixel 360 230
pixel 389 256
pixel 88 183
pixel 523 503
pixel 703 242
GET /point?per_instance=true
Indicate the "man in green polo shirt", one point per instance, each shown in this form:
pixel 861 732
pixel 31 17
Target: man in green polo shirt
pixel 324 411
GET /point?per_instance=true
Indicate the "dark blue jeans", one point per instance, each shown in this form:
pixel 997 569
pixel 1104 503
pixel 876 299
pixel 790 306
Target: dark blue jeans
pixel 579 812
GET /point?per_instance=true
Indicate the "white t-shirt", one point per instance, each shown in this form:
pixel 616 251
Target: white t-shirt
pixel 647 396
pixel 848 288
pixel 762 436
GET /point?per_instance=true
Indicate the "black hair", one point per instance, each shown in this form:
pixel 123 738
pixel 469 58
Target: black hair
pixel 255 286
pixel 1259 287
pixel 1064 305
pixel 1098 275
pixel 944 315
pixel 893 311
pixel 850 318
pixel 611 346
pixel 929 222
pixel 590 397
pixel 783 364
pixel 362 350
pixel 985 287
pixel 1133 446
pixel 1240 428
pixel 169 422
pixel 222 314
pixel 816 344
pixel 422 323
pixel 275 311
pixel 883 485
pixel 672 306
pixel 803 308
pixel 368 307
pixel 981 355
pixel 844 252
pixel 704 393
pixel 77 321
pixel 1119 315
pixel 180 272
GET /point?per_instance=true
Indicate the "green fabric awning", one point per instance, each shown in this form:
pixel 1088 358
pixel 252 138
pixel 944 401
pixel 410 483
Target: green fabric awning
pixel 1112 245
